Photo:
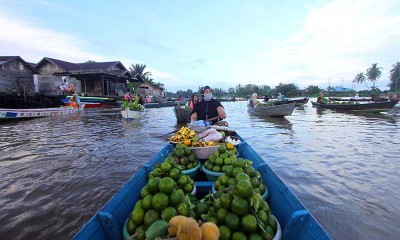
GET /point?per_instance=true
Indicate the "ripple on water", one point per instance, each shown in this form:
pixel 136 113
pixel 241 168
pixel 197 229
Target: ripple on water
pixel 56 172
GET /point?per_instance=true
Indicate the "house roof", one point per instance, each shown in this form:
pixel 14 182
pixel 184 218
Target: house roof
pixel 6 59
pixel 90 68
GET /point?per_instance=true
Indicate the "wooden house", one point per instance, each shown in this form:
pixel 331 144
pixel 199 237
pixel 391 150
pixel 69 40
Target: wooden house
pixel 148 89
pixel 16 76
pixel 90 79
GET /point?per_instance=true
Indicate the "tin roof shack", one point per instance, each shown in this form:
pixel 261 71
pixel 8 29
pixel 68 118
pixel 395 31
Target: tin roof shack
pixel 98 79
pixel 16 76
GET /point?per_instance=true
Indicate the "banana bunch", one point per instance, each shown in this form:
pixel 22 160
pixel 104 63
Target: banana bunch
pixel 203 144
pixel 183 134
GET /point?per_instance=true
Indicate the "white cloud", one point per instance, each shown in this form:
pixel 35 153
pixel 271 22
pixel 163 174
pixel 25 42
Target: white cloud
pixel 338 41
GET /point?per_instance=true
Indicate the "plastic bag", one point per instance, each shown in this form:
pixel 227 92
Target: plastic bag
pixel 210 135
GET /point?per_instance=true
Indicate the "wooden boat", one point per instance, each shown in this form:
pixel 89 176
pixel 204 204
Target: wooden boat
pixel 338 99
pixel 295 220
pixel 275 110
pixel 298 101
pixel 164 104
pixel 367 107
pixel 182 114
pixel 88 104
pixel 7 114
pixel 133 114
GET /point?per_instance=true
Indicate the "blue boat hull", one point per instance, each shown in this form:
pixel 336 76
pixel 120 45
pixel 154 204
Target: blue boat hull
pixel 294 218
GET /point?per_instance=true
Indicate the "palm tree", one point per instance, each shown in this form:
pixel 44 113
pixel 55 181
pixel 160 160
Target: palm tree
pixel 394 77
pixel 139 69
pixel 373 73
pixel 360 78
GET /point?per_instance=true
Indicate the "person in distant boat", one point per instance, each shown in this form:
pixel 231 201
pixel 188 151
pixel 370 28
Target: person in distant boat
pixel 321 99
pixel 208 108
pixel 374 98
pixel 179 98
pixel 193 101
pixel 148 99
pixel 281 97
pixel 64 88
pixel 141 102
pixel 127 96
pixel 74 101
pixel 253 100
pixel 356 97
pixel 266 99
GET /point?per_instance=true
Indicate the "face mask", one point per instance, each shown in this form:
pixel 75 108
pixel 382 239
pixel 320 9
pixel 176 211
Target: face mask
pixel 207 96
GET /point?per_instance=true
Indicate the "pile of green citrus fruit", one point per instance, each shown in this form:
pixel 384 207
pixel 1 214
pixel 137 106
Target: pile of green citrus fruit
pixel 163 197
pixel 240 212
pixel 183 157
pixel 240 169
pixel 220 159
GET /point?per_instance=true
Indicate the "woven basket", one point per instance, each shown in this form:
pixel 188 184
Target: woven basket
pixel 204 152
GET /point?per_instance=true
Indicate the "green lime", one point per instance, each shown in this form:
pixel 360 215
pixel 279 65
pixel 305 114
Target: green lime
pixel 232 221
pixel 201 208
pixel 255 182
pixel 239 206
pixel 183 209
pixel 216 168
pixel 174 198
pixel 180 146
pixel 179 153
pixel 212 158
pixel 166 167
pixel 250 171
pixel 166 185
pixel 231 182
pixel 146 202
pixel 188 151
pixel 228 161
pixel 242 176
pixel 131 227
pixel 224 233
pixel 216 154
pixel 184 160
pixel 263 216
pixel 213 220
pixel 226 200
pixel 256 236
pixel 150 217
pixel 137 216
pixel 244 189
pixel 174 174
pixel 157 172
pixel 221 215
pixel 221 149
pixel 262 188
pixel 269 233
pixel 249 223
pixel 145 191
pixel 229 170
pixel 236 171
pixel 160 201
pixel 239 236
pixel 152 184
pixel 219 161
pixel 192 158
pixel 188 188
pixel 168 213
pixel 183 180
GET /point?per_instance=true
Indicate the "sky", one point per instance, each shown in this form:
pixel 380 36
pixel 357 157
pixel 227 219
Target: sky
pixel 221 43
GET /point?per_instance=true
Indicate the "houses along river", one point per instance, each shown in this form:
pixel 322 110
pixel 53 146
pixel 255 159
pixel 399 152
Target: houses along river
pixel 56 172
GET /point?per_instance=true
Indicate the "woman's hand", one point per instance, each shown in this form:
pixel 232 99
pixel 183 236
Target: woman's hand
pixel 221 112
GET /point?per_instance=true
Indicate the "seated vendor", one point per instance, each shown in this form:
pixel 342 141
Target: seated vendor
pixel 74 101
pixel 321 99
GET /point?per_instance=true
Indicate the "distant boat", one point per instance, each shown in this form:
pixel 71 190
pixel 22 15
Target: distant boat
pixel 8 114
pixel 182 114
pixel 163 104
pixel 298 101
pixel 366 107
pixel 133 114
pixel 274 110
pixel 88 104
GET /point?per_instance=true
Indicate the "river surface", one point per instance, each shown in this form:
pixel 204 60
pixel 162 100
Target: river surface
pixel 57 172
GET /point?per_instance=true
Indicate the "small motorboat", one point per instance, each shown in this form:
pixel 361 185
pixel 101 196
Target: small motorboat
pixel 34 112
pixel 273 110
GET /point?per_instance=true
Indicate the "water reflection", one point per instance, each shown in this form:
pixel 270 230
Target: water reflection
pixel 278 122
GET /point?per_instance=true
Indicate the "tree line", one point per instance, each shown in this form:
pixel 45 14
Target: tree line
pixel 371 74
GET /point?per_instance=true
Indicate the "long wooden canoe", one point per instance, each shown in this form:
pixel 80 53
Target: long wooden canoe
pixel 295 220
pixel 368 107
pixel 276 110
pixel 8 114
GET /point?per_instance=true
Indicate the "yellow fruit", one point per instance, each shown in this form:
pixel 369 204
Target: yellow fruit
pixel 173 225
pixel 209 231
pixel 187 142
pixel 188 229
pixel 229 146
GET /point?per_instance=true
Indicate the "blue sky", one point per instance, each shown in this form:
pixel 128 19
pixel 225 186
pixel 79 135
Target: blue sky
pixel 189 44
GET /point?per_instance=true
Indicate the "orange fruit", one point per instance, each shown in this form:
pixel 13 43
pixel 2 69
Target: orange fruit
pixel 187 142
pixel 229 146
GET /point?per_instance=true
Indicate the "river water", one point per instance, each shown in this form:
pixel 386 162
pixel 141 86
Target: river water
pixel 57 172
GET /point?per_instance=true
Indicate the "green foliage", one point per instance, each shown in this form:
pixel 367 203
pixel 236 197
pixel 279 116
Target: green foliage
pixel 312 90
pixel 394 77
pixel 134 106
pixel 288 90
